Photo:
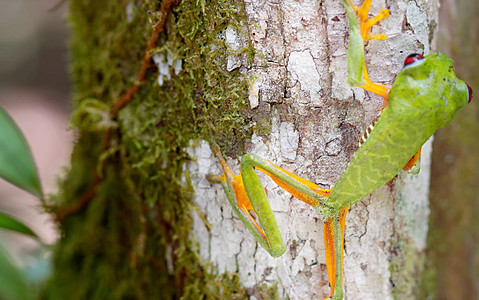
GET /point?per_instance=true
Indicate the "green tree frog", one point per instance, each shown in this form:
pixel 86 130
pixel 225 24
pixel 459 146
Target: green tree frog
pixel 424 97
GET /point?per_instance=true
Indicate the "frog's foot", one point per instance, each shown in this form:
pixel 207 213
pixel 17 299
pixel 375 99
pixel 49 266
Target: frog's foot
pixel 366 23
pixel 379 89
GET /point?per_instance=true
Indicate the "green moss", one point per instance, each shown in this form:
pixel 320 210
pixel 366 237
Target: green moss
pixel 268 292
pixel 406 267
pixel 132 241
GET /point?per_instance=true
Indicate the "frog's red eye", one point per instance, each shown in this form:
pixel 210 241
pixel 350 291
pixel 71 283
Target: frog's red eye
pixel 469 93
pixel 412 58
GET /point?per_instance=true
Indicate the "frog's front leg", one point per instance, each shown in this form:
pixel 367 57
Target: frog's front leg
pixel 367 23
pixel 359 32
pixel 246 194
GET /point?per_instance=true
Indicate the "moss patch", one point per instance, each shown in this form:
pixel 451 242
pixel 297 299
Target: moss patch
pixel 132 240
pixel 406 267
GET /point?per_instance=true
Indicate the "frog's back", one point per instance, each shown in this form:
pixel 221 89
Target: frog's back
pixel 423 99
pixel 386 151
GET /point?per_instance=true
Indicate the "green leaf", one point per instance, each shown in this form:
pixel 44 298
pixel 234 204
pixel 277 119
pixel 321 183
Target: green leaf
pixel 16 161
pixel 12 284
pixel 10 223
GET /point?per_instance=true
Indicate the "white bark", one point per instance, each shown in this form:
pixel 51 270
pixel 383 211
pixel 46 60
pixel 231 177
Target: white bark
pixel 300 77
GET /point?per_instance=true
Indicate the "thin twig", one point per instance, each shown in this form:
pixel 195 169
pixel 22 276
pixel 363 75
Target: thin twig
pixel 157 29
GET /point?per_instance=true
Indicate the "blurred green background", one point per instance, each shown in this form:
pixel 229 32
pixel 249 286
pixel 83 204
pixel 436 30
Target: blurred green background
pixel 34 89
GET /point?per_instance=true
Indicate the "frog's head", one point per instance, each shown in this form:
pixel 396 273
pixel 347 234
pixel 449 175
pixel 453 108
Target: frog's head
pixel 430 84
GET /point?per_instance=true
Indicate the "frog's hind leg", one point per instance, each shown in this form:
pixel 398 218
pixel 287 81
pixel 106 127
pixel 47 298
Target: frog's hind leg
pixel 334 245
pixel 246 195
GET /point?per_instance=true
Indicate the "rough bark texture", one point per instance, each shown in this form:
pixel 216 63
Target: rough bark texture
pixel 299 76
pixel 125 208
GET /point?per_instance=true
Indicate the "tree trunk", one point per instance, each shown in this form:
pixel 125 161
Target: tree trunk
pixel 299 77
pixel 126 208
